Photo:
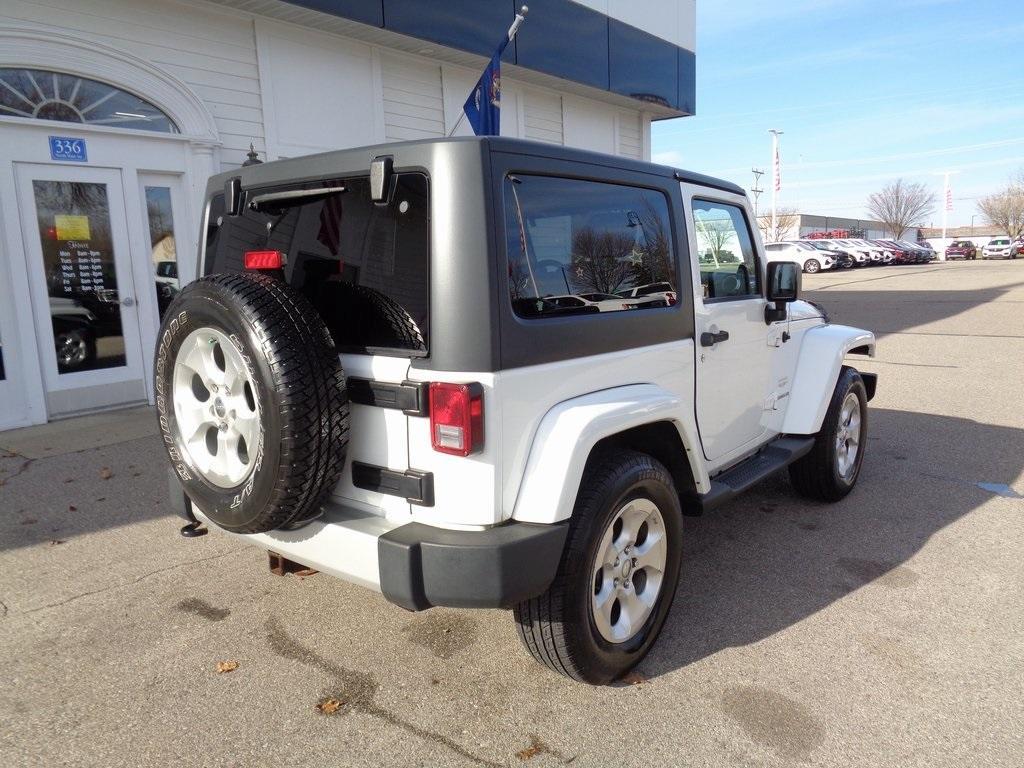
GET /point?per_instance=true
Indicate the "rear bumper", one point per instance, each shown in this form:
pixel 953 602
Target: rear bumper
pixel 414 565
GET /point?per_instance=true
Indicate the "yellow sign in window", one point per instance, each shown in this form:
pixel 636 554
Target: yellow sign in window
pixel 71 227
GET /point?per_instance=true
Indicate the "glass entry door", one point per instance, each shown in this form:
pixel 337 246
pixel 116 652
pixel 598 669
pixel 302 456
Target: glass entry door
pixel 83 296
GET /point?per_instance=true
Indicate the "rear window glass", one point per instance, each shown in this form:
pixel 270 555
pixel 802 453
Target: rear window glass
pixel 364 266
pixel 581 247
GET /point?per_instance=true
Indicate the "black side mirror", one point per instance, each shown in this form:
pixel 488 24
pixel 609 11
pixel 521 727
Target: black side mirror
pixel 783 287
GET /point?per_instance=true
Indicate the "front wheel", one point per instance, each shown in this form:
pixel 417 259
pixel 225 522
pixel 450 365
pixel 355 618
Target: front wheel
pixel 830 470
pixel 617 578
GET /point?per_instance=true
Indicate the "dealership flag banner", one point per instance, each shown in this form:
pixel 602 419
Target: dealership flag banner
pixel 949 198
pixel 483 107
pixel 777 169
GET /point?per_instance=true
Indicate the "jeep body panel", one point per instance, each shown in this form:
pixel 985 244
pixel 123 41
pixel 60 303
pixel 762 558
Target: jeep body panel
pixel 822 351
pixel 568 433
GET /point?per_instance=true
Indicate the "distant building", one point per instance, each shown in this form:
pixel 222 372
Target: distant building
pixel 811 224
pixel 978 232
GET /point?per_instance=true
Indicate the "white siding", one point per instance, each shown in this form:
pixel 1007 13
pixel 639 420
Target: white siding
pixel 295 65
pixel 631 142
pixel 213 52
pixel 542 116
pixel 413 100
pixel 589 124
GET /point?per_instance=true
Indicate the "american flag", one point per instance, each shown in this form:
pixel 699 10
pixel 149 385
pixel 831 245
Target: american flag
pixel 330 224
pixel 949 198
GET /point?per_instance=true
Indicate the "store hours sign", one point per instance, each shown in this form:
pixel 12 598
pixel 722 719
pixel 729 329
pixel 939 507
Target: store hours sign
pixel 68 148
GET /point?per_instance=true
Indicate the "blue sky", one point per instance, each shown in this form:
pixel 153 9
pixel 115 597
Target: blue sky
pixel 866 92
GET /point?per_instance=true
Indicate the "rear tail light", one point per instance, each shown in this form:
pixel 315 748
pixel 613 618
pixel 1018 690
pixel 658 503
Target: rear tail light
pixel 456 418
pixel 264 260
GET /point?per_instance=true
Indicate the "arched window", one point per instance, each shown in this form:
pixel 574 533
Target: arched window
pixel 43 95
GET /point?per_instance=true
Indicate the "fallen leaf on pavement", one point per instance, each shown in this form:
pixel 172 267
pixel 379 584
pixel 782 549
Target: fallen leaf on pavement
pixel 329 706
pixel 106 474
pixel 531 751
pixel 226 666
pixel 634 678
pixel 29 521
pixel 55 542
pixel 72 508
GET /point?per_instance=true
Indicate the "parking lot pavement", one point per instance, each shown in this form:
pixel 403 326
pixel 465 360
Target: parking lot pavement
pixel 884 630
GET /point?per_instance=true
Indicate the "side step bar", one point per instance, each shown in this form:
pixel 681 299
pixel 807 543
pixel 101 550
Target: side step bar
pixel 777 455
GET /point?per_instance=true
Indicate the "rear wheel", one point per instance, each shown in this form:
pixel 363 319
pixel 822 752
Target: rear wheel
pixel 617 578
pixel 811 266
pixel 830 470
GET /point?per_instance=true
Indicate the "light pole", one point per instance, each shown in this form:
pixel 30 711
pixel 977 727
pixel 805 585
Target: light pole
pixel 776 177
pixel 972 223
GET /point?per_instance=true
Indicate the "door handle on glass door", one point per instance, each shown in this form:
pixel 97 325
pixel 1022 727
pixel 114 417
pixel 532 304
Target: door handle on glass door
pixel 708 339
pixel 127 301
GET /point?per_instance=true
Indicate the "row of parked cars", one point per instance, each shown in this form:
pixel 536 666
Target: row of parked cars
pixel 847 253
pixel 996 248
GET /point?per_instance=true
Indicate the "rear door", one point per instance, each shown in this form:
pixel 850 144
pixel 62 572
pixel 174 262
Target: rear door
pixel 365 268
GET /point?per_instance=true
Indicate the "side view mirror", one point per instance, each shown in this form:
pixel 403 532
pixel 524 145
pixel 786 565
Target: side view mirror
pixel 783 287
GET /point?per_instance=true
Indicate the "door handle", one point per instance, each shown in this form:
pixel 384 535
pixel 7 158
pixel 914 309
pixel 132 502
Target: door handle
pixel 128 301
pixel 708 339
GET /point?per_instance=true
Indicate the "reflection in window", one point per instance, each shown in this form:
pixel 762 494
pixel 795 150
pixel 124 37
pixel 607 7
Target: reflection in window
pixel 78 261
pixel 161 242
pixel 44 95
pixel 728 266
pixel 577 247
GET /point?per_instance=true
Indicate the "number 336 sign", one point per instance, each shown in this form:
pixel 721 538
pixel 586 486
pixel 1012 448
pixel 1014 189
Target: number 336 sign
pixel 68 148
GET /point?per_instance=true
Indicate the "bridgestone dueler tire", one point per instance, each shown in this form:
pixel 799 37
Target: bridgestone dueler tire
pixel 298 384
pixel 815 476
pixel 557 627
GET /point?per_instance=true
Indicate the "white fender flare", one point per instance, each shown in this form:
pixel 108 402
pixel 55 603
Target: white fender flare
pixel 821 356
pixel 571 429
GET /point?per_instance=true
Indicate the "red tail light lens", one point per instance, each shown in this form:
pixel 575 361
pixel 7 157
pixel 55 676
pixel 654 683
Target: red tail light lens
pixel 264 260
pixel 456 418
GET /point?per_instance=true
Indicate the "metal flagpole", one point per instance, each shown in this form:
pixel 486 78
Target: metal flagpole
pixel 512 30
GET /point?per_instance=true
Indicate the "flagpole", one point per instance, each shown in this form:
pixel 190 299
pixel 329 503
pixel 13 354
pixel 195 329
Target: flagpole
pixel 512 31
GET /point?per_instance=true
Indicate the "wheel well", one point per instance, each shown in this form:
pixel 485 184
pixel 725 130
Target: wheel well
pixel 661 441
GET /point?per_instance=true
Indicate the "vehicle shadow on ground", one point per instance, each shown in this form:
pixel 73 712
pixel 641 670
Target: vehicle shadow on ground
pixel 886 312
pixel 772 559
pixel 54 499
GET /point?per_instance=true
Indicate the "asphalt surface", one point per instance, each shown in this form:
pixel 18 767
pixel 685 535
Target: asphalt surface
pixel 885 630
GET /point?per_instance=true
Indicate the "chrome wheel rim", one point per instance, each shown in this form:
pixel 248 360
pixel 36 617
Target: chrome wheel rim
pixel 629 570
pixel 848 437
pixel 216 408
pixel 71 349
pixel 811 266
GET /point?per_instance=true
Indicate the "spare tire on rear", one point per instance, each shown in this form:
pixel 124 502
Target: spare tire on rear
pixel 251 399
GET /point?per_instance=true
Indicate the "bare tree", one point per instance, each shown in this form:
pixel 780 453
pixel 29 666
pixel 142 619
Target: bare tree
pixel 900 205
pixel 1006 209
pixel 786 219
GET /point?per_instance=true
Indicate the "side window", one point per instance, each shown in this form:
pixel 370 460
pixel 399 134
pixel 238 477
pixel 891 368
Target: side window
pixel 580 247
pixel 728 266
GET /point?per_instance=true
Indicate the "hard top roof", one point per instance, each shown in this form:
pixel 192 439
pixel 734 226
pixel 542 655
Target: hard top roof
pixel 297 168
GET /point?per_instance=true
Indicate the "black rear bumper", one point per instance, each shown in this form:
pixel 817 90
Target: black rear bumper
pixel 423 566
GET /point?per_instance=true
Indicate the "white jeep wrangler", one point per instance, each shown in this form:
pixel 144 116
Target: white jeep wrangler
pixel 378 377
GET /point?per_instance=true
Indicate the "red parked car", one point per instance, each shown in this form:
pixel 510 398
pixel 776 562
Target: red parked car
pixel 961 249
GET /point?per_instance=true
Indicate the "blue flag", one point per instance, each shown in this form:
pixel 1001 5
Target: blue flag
pixel 483 107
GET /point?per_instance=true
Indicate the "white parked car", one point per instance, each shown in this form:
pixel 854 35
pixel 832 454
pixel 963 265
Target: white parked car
pixel 809 259
pixel 418 418
pixel 999 248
